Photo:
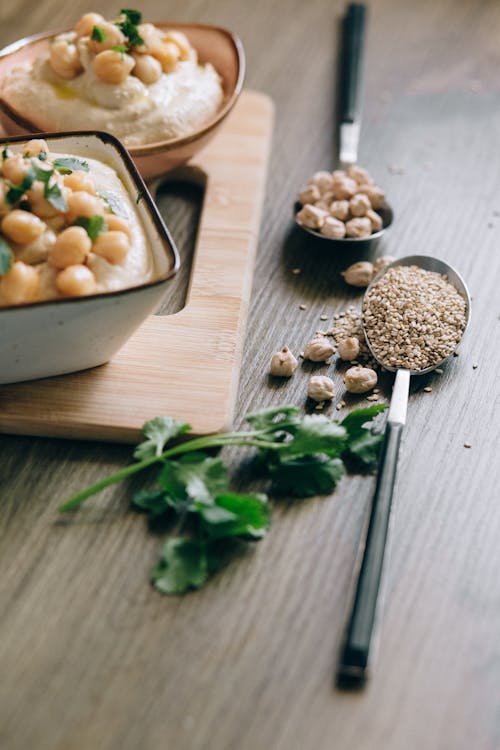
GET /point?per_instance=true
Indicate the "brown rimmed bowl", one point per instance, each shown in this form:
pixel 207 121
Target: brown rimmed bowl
pixel 214 44
pixel 56 336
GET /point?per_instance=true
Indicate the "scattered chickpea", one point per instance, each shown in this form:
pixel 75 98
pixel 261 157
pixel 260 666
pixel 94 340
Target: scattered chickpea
pixel 113 246
pixel 360 379
pixel 20 284
pixel 79 181
pixel 112 66
pixel 320 388
pixel 283 363
pixel 76 281
pixel 348 348
pixel 64 59
pixel 81 203
pixel 71 248
pixel 22 226
pixel 358 274
pixel 382 262
pixel 319 350
pixel 147 68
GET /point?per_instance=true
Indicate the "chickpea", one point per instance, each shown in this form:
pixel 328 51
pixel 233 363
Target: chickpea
pixel 311 217
pixel 120 224
pixel 79 181
pixel 76 281
pixel 20 284
pixel 87 22
pixel 375 220
pixel 382 262
pixel 359 204
pixel 359 174
pixel 168 55
pixel 320 388
pixel 4 206
pixel 64 59
pixel 359 227
pixel 348 348
pixel 333 228
pixel 151 35
pixel 35 147
pixel 358 274
pixel 113 246
pixel 81 203
pixel 340 210
pixel 309 194
pixel 374 193
pixel 360 379
pixel 113 67
pixel 182 43
pixel 71 248
pixel 22 226
pixel 344 188
pixel 147 68
pixel 324 181
pixel 15 169
pixel 39 203
pixel 114 37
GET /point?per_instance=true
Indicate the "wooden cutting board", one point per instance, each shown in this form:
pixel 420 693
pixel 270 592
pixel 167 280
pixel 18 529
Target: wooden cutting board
pixel 187 364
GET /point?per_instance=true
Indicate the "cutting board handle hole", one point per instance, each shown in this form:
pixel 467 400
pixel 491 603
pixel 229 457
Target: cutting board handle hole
pixel 179 197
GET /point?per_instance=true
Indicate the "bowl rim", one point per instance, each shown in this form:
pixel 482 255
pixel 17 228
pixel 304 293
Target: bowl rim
pixel 148 149
pixel 143 195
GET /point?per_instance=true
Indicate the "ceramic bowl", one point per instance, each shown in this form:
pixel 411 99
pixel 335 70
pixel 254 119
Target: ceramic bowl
pixel 214 44
pixel 54 337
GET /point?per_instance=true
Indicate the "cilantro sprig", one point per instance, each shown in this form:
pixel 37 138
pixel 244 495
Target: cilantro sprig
pixel 68 164
pixel 93 225
pixel 299 455
pixel 128 26
pixel 6 257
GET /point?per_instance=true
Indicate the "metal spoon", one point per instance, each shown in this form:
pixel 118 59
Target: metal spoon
pixel 356 658
pixel 350 121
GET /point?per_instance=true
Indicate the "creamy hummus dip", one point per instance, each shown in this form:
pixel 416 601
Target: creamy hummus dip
pixel 109 243
pixel 176 104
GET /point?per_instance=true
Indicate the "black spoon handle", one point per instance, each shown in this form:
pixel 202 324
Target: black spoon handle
pixel 353 666
pixel 353 38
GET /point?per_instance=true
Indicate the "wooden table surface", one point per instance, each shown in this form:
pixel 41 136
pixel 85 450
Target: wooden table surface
pixel 91 657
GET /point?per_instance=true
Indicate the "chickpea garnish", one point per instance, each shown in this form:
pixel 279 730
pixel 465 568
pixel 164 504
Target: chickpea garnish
pixel 87 22
pixel 79 181
pixel 112 66
pixel 76 281
pixel 168 55
pixel 71 248
pixel 81 203
pixel 113 246
pixel 20 284
pixel 64 59
pixel 15 169
pixel 35 147
pixel 112 37
pixel 119 223
pixel 22 226
pixel 147 68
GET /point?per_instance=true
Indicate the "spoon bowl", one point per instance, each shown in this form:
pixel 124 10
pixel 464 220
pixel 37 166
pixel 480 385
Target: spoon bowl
pixel 385 212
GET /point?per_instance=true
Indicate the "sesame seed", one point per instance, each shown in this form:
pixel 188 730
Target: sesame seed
pixel 438 370
pixel 467 445
pixel 376 390
pixel 323 317
pixel 296 271
pixel 428 389
pixel 302 307
pixel 475 366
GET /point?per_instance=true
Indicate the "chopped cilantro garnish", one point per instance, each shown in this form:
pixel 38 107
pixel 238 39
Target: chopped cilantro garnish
pixel 113 203
pixel 98 34
pixel 6 257
pixel 5 153
pixel 131 31
pixel 93 225
pixel 119 48
pixel 16 192
pixel 134 16
pixel 55 197
pixel 68 164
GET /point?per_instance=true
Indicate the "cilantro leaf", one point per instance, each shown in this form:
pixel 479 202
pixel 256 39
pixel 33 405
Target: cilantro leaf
pixel 93 225
pixel 6 257
pixel 68 164
pixel 153 502
pixel 363 442
pixel 236 514
pixel 271 417
pixel 158 432
pixel 134 16
pixel 119 48
pixel 5 153
pixel 183 565
pixel 98 34
pixel 306 475
pixel 195 477
pixel 54 195
pixel 316 433
pixel 113 202
pixel 42 174
pixel 129 29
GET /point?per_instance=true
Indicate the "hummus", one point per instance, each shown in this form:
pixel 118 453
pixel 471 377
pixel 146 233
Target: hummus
pixel 177 104
pixel 115 216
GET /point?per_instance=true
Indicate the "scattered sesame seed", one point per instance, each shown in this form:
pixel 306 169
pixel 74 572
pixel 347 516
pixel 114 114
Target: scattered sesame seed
pixel 301 354
pixel 373 397
pixel 455 354
pixel 467 445
pixel 428 389
pixel 336 316
pixel 475 366
pixel 323 317
pixel 296 271
pixel 338 407
pixel 438 370
pixel 376 390
pixel 319 406
pixel 302 307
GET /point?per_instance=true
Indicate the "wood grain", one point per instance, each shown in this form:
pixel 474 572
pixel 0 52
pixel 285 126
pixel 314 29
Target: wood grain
pixel 91 658
pixel 187 364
